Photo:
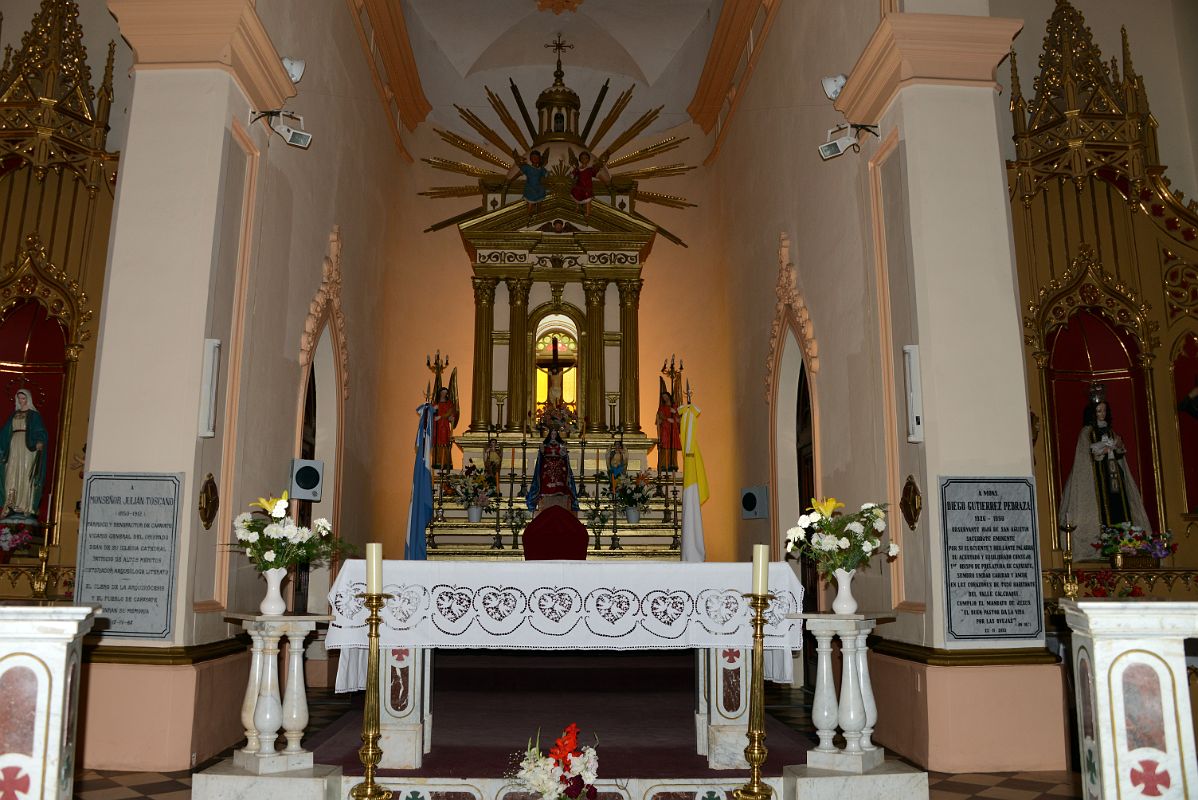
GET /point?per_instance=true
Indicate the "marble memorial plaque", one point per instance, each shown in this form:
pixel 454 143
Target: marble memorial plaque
pixel 991 559
pixel 127 546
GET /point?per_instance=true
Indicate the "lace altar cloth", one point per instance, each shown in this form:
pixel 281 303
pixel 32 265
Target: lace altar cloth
pixel 562 605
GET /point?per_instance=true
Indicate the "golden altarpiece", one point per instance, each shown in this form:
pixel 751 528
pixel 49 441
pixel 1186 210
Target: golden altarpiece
pixel 557 288
pixel 57 185
pixel 1107 259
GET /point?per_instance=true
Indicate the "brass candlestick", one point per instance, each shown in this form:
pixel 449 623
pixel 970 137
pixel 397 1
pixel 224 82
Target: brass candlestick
pixel 1070 584
pixel 755 753
pixel 370 753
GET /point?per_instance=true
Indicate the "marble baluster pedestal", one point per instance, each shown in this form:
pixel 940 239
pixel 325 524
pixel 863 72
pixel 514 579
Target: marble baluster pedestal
pixel 40 646
pixel 859 769
pixel 261 769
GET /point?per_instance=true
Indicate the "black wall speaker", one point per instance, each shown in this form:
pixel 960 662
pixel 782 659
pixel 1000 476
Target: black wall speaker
pixel 755 502
pixel 307 479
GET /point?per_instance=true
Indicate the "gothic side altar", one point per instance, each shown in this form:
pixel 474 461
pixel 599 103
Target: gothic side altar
pixel 563 605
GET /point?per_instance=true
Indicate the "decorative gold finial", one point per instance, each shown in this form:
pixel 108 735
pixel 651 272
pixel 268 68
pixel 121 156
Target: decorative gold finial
pixel 1128 70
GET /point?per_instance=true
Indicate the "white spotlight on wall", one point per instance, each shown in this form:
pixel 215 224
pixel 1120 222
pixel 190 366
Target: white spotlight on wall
pixel 294 136
pixel 833 84
pixel 295 68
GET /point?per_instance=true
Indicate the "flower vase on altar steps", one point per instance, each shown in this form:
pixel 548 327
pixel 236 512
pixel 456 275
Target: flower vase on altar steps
pixel 633 515
pixel 474 513
pixel 844 603
pixel 273 604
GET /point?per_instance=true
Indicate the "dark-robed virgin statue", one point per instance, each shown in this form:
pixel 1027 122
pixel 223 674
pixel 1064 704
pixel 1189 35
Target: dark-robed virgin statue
pixel 552 478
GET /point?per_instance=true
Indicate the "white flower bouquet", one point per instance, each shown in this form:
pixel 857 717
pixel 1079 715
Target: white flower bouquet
pixel 834 540
pixel 568 771
pixel 633 490
pixel 271 539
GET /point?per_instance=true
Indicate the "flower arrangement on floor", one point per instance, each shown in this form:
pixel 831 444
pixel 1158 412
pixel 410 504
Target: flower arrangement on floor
pixel 271 539
pixel 839 541
pixel 632 490
pixel 567 771
pixel 15 537
pixel 471 487
pixel 1130 540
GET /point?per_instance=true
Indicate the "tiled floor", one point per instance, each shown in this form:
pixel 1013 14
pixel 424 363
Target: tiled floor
pixel 782 702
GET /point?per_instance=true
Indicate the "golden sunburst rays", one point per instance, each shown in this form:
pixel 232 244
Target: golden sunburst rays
pixel 441 192
pixel 646 173
pixel 664 146
pixel 478 151
pixel 498 154
pixel 657 198
pixel 612 114
pixel 461 167
pixel 633 130
pixel 507 119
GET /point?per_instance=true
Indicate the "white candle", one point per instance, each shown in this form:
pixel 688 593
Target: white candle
pixel 761 566
pixel 374 568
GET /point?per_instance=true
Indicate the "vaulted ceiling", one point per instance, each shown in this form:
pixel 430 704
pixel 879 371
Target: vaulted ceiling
pixel 460 46
pixel 690 57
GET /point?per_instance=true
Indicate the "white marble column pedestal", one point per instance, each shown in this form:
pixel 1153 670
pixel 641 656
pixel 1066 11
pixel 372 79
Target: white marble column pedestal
pixel 860 770
pixel 855 713
pixel 263 711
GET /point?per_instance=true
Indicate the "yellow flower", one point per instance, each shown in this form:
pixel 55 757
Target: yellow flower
pixel 826 507
pixel 268 503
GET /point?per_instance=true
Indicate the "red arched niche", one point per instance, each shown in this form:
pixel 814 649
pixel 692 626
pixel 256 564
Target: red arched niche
pixel 1087 350
pixel 1185 380
pixel 33 357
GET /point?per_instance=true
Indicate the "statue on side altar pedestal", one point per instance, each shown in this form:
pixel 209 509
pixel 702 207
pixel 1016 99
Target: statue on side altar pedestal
pixel 445 419
pixel 669 434
pixel 1100 491
pixel 23 441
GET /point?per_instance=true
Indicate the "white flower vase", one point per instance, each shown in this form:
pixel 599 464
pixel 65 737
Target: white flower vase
pixel 633 515
pixel 273 604
pixel 474 513
pixel 844 603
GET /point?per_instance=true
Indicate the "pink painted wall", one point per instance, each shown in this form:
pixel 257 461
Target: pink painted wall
pixel 166 718
pixel 972 719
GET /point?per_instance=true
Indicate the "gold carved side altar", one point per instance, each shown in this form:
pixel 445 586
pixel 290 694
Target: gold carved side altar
pixel 1107 260
pixel 557 248
pixel 57 185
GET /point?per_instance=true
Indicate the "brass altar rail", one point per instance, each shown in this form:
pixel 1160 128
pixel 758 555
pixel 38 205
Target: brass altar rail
pixel 1125 579
pixel 56 579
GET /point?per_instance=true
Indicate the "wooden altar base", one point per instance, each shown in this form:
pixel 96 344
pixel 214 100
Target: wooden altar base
pixel 487 705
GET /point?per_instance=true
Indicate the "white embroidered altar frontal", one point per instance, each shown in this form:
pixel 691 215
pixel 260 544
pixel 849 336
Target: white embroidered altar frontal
pixel 563 605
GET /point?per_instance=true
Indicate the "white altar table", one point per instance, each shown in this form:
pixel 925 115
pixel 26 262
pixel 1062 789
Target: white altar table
pixel 563 605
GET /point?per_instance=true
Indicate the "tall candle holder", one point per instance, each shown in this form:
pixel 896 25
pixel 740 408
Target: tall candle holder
pixel 756 752
pixel 1070 585
pixel 370 753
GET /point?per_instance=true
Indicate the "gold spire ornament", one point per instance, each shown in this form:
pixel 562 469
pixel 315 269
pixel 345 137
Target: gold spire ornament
pixel 1085 118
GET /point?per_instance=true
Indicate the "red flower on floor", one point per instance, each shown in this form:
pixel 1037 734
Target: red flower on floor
pixel 566 746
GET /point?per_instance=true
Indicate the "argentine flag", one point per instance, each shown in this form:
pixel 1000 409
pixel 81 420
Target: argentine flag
pixel 694 488
pixel 420 511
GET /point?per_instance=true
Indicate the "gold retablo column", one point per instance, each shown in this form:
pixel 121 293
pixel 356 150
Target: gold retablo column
pixel 595 289
pixel 517 352
pixel 630 349
pixel 484 328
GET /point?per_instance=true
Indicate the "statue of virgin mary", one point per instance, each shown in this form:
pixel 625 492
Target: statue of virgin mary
pixel 23 441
